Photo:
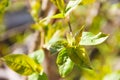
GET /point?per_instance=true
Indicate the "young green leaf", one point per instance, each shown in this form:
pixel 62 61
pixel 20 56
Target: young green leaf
pixel 56 16
pixel 71 5
pixel 22 64
pixel 38 56
pixel 64 63
pixel 70 38
pixel 78 55
pixel 3 5
pixel 60 15
pixel 36 76
pixel 60 4
pixel 57 46
pixel 78 35
pixel 89 38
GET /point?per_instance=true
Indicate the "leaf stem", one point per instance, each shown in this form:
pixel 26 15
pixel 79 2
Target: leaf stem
pixel 70 27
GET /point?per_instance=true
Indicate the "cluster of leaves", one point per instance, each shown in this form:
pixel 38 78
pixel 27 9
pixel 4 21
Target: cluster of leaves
pixel 70 51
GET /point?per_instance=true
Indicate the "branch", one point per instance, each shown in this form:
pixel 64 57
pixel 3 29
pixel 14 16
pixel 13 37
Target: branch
pixel 70 27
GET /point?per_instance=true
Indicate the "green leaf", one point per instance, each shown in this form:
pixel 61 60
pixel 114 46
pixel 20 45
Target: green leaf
pixel 64 63
pixel 79 56
pixel 56 16
pixel 71 5
pixel 54 38
pixel 38 56
pixel 70 38
pixel 57 46
pixel 22 64
pixel 60 15
pixel 60 4
pixel 89 38
pixel 36 76
pixel 3 5
pixel 85 2
pixel 78 35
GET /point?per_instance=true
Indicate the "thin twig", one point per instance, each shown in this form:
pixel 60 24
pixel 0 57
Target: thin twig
pixel 70 27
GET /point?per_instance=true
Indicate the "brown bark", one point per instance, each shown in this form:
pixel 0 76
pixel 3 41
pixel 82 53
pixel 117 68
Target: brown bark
pixel 50 66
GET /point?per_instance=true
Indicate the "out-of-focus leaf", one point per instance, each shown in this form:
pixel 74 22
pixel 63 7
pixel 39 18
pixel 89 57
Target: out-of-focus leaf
pixel 71 5
pixel 38 56
pixel 60 4
pixel 89 38
pixel 64 63
pixel 113 76
pixel 22 64
pixel 35 9
pixel 78 35
pixel 85 2
pixel 79 56
pixel 97 22
pixel 3 5
pixel 54 39
pixel 60 15
pixel 56 16
pixel 57 46
pixel 36 76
